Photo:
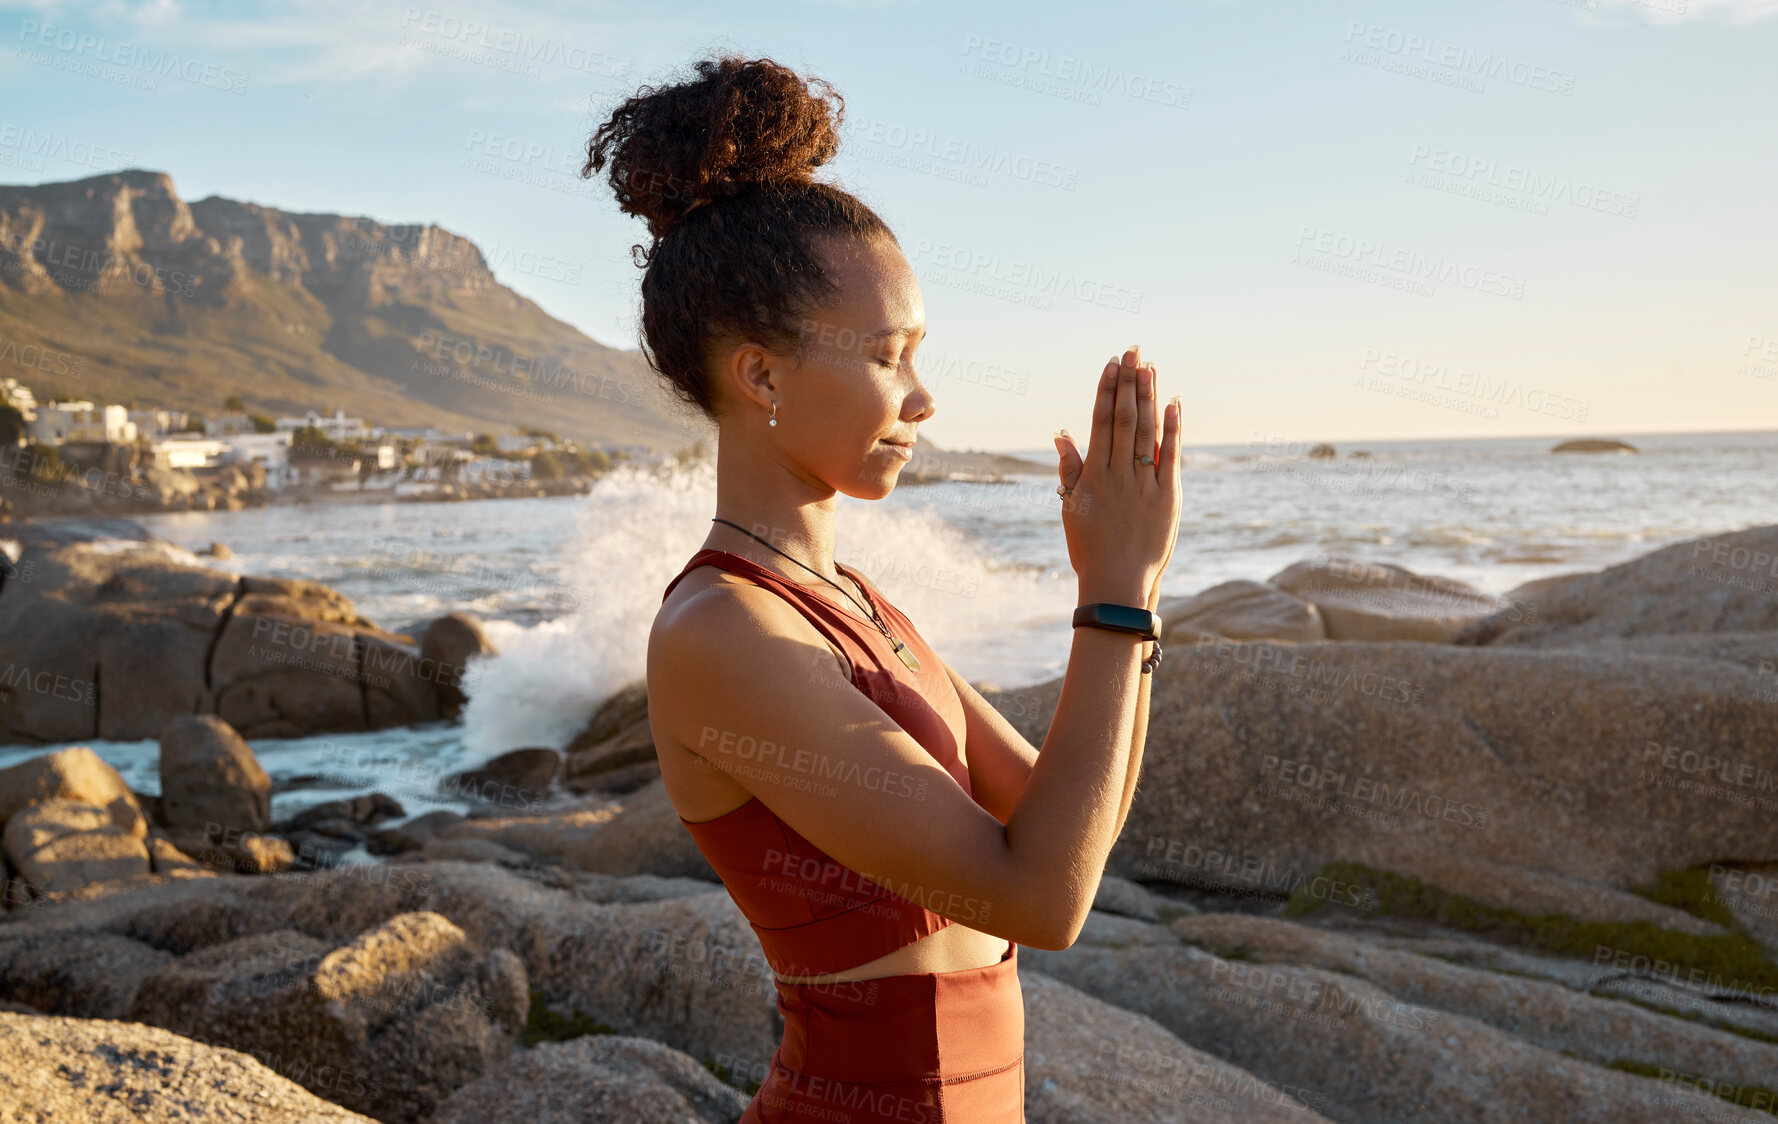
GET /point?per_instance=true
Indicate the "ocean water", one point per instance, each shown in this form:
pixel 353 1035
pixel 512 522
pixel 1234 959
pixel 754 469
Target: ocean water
pixel 568 586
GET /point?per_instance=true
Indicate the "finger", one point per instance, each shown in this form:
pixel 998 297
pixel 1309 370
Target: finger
pixel 1145 425
pixel 1167 462
pixel 1160 404
pixel 1123 422
pixel 1104 405
pixel 1068 459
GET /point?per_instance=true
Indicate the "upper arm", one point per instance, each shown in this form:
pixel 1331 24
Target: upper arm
pixel 756 692
pixel 1000 759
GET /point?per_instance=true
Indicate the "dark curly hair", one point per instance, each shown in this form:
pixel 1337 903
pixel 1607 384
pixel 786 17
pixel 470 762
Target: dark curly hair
pixel 743 136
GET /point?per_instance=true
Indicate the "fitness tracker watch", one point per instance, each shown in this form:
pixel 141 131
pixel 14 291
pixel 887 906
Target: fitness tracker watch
pixel 1124 618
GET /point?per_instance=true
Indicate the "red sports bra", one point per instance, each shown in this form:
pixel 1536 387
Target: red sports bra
pixel 812 915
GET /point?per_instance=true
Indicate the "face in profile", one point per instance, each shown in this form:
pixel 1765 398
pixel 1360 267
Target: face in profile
pixel 851 395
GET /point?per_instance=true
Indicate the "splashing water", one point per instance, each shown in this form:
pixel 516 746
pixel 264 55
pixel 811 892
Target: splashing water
pixel 635 530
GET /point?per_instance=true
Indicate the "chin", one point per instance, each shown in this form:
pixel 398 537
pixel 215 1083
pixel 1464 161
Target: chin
pixel 873 487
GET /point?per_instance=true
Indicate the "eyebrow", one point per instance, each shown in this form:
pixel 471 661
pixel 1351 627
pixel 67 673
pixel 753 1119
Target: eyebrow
pixel 885 333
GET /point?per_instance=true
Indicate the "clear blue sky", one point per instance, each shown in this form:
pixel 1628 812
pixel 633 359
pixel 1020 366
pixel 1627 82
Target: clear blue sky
pixel 1361 220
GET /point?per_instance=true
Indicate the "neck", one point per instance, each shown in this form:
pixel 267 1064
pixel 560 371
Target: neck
pixel 796 515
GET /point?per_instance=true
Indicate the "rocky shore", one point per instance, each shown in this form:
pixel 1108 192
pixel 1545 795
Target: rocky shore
pixel 123 485
pixel 1401 851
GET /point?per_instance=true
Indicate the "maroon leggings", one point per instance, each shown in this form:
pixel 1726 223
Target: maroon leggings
pixel 921 1048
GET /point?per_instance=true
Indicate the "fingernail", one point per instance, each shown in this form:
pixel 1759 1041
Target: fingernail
pixel 1063 432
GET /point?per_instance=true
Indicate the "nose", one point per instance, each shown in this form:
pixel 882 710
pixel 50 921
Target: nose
pixel 922 400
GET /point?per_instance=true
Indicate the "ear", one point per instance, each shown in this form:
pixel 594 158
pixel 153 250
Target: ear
pixel 751 372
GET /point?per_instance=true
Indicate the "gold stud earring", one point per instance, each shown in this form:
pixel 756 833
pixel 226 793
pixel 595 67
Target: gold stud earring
pixel 774 420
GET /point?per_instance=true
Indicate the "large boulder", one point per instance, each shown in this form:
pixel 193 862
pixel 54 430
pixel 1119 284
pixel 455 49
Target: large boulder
pixel 1243 610
pixel 209 776
pixel 75 773
pixel 596 1079
pixel 1089 1062
pixel 615 752
pixel 1606 1032
pixel 413 1006
pixel 106 1072
pixel 167 635
pixel 1280 759
pixel 1368 1054
pixel 63 845
pixel 1380 601
pixel 1724 584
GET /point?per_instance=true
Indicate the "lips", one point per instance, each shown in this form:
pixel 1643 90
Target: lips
pixel 904 451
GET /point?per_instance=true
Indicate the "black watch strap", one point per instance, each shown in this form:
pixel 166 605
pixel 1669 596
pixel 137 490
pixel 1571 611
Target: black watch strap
pixel 1119 618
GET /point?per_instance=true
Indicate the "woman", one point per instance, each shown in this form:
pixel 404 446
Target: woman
pixel 891 838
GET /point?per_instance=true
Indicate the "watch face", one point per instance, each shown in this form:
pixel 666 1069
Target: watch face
pixel 1126 618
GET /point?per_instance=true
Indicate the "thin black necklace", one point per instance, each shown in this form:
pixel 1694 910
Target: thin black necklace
pixel 907 657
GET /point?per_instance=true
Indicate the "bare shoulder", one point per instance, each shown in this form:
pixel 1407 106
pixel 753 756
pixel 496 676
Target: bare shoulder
pixel 710 629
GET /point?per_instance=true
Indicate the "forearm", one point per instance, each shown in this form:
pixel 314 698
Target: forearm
pixel 1072 807
pixel 1139 735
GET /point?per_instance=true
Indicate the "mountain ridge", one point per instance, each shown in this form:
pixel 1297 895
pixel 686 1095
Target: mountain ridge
pixel 180 305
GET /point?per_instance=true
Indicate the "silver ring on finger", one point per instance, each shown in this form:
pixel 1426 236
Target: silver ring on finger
pixel 1145 458
pixel 1064 490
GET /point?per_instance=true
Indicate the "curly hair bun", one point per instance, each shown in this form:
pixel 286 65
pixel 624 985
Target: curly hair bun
pixel 740 123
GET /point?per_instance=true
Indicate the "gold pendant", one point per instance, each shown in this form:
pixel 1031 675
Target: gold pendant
pixel 907 656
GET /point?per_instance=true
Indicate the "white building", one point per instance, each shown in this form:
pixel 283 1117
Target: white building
pixel 81 421
pixel 269 449
pixel 17 395
pixel 188 452
pixel 337 428
pixel 157 423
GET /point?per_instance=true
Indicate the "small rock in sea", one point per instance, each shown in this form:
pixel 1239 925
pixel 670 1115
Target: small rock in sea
pixel 447 647
pixel 1595 445
pixel 217 550
pixel 1323 452
pixel 209 776
pixel 512 780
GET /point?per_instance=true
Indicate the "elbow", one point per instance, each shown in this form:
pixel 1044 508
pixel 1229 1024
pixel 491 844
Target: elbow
pixel 1058 932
